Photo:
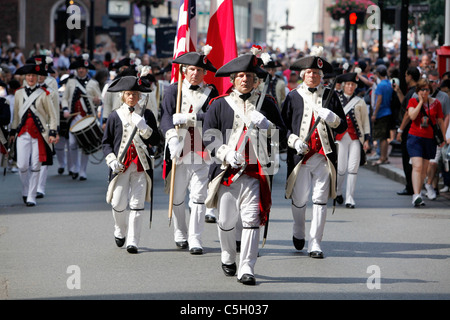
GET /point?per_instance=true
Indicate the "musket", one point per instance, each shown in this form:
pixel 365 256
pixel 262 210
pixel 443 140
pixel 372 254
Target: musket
pixel 174 161
pixel 151 195
pixel 241 149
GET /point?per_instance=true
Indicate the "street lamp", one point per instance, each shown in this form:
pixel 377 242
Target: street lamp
pixel 287 27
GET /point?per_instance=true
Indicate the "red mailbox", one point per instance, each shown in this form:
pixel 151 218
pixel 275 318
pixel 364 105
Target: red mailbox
pixel 443 57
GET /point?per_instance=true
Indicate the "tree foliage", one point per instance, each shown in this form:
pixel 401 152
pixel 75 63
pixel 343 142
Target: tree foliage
pixel 431 23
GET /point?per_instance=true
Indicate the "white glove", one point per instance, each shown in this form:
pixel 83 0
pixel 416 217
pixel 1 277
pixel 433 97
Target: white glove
pixel 179 118
pixel 300 146
pixel 327 115
pixel 116 167
pixel 66 114
pixel 235 159
pixel 259 120
pixel 175 147
pixel 138 121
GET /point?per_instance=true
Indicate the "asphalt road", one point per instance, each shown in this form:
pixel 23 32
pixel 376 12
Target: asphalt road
pixel 64 249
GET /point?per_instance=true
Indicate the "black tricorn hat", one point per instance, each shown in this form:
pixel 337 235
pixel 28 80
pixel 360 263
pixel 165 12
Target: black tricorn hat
pixel 272 63
pixel 130 71
pixel 347 77
pixel 82 62
pixel 33 69
pixel 312 62
pixel 195 59
pixel 126 62
pixel 44 60
pixel 243 63
pixel 130 83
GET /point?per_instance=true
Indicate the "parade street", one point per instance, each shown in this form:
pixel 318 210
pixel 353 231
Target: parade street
pixel 63 248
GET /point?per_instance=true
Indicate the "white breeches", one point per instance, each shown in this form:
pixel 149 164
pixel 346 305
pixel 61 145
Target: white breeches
pixel 239 201
pixel 130 189
pixel 315 173
pixel 29 165
pixel 78 158
pixel 349 157
pixel 192 177
pixel 63 155
pixel 42 179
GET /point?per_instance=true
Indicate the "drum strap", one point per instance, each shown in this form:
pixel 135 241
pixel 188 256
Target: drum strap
pixel 83 100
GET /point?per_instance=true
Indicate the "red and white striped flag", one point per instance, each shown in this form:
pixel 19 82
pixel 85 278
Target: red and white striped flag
pixel 222 38
pixel 186 40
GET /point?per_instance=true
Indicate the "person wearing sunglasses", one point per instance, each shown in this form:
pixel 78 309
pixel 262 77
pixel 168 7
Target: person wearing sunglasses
pixel 423 111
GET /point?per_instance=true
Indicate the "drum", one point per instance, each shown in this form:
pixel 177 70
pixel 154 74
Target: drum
pixel 63 125
pixel 88 133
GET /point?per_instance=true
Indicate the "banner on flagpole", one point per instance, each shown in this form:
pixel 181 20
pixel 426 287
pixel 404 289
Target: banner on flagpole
pixel 221 37
pixel 186 39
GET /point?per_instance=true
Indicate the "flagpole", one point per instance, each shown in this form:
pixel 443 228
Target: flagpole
pixel 178 107
pixel 174 160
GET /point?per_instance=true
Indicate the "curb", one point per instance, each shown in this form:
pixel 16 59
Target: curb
pixel 387 170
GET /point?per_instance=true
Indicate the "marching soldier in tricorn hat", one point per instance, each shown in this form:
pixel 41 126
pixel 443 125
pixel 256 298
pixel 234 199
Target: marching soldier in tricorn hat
pixel 240 175
pixel 311 161
pixel 129 66
pixel 111 102
pixel 354 142
pixel 48 84
pixel 35 123
pixel 185 146
pixel 131 174
pixel 81 96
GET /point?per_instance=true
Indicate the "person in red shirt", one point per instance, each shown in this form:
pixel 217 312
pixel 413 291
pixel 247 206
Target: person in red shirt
pixel 421 146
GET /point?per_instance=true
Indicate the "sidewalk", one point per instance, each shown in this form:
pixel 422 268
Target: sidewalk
pixel 394 171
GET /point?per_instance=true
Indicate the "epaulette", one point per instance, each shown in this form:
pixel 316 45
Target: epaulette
pixel 213 99
pixel 46 91
pixel 271 97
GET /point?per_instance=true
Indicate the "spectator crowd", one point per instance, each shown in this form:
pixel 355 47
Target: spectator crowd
pixel 378 84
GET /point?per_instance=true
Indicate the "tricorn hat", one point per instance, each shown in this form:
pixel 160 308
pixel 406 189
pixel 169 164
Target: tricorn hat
pixel 129 61
pixel 44 60
pixel 82 62
pixel 347 77
pixel 313 61
pixel 144 73
pixel 197 59
pixel 129 83
pixel 272 62
pixel 248 62
pixel 33 69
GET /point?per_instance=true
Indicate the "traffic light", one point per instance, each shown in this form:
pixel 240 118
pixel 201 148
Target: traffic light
pixel 356 17
pixel 161 21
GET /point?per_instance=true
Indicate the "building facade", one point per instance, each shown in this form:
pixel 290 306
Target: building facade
pixel 46 22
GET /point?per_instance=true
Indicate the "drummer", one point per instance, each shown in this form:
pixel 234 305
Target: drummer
pixel 131 167
pixel 81 96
